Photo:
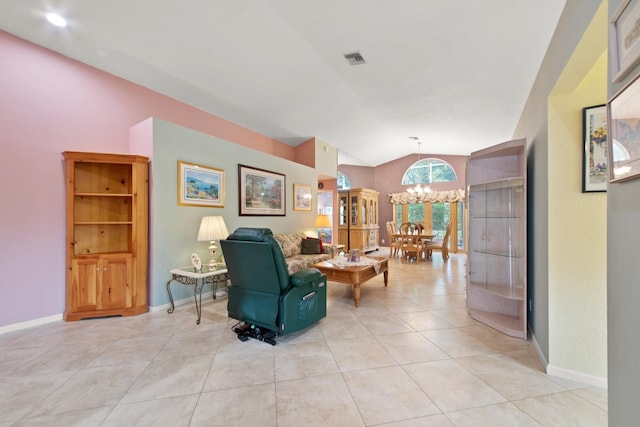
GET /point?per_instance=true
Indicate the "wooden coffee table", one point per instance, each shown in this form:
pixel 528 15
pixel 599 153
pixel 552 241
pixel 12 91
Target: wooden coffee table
pixel 355 275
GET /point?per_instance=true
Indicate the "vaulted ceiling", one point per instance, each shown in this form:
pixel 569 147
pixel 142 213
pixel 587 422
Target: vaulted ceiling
pixel 455 75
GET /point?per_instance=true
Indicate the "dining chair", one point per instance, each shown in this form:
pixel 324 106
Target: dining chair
pixel 395 244
pixel 439 245
pixel 411 244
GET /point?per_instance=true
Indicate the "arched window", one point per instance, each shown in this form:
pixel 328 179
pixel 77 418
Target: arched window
pixel 427 171
pixel 343 182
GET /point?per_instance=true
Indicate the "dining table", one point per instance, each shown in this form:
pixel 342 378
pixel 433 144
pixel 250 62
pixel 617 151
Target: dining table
pixel 413 240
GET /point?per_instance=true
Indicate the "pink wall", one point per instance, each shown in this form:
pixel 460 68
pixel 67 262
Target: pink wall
pixel 378 178
pixel 49 104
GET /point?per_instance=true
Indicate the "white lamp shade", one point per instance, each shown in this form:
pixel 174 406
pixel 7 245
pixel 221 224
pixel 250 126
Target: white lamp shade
pixel 212 228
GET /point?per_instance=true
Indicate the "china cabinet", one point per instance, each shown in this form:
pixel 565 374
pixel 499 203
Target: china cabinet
pixel 106 234
pixel 497 254
pixel 358 219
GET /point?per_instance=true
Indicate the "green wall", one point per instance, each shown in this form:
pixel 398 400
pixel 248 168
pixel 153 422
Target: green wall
pixel 174 228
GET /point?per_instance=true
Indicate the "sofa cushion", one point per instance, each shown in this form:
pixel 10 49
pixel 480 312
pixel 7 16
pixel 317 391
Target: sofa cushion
pixel 310 247
pixel 291 243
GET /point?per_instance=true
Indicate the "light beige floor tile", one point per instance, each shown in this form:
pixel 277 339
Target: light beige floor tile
pixel 82 418
pixel 451 387
pixel 430 421
pixel 388 394
pixel 384 323
pixel 500 415
pixel 306 359
pixel 456 343
pixel 411 348
pixel 170 377
pixel 359 353
pixel 15 359
pixel 564 409
pixel 509 378
pixel 456 316
pixel 130 350
pixel 529 358
pixel 169 412
pixel 595 395
pixel 316 401
pixel 187 344
pixel 19 394
pixel 238 369
pixel 497 340
pixel 90 388
pixel 64 358
pixel 243 406
pixel 424 321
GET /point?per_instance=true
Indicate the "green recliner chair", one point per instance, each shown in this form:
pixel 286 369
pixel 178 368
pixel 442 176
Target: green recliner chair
pixel 262 294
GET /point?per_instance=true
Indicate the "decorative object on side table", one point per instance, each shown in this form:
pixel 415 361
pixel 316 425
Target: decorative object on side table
pixel 212 228
pixel 624 133
pixel 594 149
pixel 322 222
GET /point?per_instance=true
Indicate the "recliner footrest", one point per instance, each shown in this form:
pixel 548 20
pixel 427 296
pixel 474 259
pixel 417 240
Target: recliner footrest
pixel 247 331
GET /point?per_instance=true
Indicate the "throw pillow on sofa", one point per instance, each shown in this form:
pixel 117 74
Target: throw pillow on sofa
pixel 310 247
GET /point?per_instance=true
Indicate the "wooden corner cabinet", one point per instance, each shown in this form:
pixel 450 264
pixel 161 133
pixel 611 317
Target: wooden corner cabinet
pixel 107 234
pixel 358 219
pixel 497 252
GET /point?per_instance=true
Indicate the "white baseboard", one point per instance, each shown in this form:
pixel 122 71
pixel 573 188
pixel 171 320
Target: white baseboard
pixel 179 302
pixel 30 323
pixel 580 377
pixel 543 359
pixel 567 374
pixel 56 317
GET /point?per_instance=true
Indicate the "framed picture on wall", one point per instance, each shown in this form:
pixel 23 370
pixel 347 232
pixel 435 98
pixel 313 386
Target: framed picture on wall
pixel 624 39
pixel 624 131
pixel 200 185
pixel 301 197
pixel 261 192
pixel 594 149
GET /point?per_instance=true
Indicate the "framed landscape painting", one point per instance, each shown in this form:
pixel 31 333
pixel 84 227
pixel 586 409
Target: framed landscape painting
pixel 262 192
pixel 200 185
pixel 594 149
pixel 301 197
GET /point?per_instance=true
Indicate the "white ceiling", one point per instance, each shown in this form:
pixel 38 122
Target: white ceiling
pixel 455 74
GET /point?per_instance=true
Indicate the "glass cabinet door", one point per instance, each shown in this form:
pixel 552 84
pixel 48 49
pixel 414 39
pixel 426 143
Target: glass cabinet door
pixel 342 210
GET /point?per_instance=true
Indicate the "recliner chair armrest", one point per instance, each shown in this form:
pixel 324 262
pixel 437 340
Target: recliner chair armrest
pixel 307 276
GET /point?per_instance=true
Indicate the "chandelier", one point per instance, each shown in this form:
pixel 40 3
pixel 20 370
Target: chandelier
pixel 418 189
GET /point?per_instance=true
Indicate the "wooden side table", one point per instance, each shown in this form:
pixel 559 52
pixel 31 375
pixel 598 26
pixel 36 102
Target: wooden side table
pixel 188 276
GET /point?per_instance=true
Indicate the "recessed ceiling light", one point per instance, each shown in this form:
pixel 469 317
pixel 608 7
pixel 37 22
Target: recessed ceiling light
pixel 56 20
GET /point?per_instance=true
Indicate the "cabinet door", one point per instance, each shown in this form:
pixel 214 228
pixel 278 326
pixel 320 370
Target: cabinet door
pixel 116 282
pixel 84 294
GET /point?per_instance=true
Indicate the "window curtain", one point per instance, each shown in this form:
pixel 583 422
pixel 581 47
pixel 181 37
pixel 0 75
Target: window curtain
pixel 406 198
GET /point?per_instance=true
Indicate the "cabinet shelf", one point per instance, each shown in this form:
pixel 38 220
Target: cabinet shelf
pixel 103 222
pixel 498 254
pixel 103 194
pixel 499 289
pixel 510 325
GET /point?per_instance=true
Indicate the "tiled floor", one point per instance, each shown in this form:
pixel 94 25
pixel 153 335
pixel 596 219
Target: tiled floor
pixel 408 356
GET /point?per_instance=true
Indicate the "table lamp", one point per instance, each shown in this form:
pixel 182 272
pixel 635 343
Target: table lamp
pixel 212 228
pixel 322 222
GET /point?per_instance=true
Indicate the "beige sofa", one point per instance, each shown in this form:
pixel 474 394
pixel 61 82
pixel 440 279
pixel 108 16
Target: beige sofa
pixel 291 244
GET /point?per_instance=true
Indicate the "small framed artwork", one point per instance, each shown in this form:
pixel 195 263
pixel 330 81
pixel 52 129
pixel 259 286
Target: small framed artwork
pixel 301 197
pixel 200 185
pixel 261 192
pixel 624 133
pixel 624 39
pixel 594 149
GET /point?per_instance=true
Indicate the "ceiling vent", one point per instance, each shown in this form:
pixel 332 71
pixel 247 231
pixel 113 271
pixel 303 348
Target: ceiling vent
pixel 355 58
